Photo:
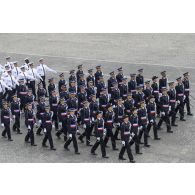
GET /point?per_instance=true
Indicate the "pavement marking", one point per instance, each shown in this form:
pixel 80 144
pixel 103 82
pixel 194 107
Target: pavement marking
pixel 103 60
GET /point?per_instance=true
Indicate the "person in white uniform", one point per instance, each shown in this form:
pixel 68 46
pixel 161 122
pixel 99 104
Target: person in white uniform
pixel 8 62
pixel 16 70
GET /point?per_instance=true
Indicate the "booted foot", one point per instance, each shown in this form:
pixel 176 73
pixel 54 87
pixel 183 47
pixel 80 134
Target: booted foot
pixel 132 161
pixel 107 146
pixel 169 131
pixel 44 146
pixel 39 134
pixel 93 153
pixel 88 144
pixel 66 148
pixel 115 149
pixel 121 158
pixel 4 136
pixel 174 125
pixel 34 145
pixel 141 143
pixel 58 136
pixel 190 114
pixel 77 153
pixel 10 140
pixel 157 138
pixel 182 119
pixel 19 132
pixel 105 156
pixel 138 152
pixel 146 145
pixel 27 141
pixel 52 148
pixel 81 139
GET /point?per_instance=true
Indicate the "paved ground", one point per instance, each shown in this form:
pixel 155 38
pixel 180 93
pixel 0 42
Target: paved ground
pixel 154 52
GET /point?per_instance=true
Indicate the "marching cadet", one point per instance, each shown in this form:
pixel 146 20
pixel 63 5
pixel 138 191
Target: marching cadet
pixel 15 110
pixel 115 94
pixel 22 91
pixel 29 122
pixel 140 78
pixel 29 98
pixel 135 128
pixel 82 96
pixel 62 116
pixel 40 91
pixel 72 77
pixel 26 61
pixel 172 102
pixel 40 112
pixel 99 133
pixel 132 85
pixel 123 88
pixel 180 98
pixel 72 130
pixel 126 138
pixel 9 62
pixel 33 73
pixel 100 85
pixel 61 82
pixel 90 77
pixel 164 103
pixel 42 69
pixel 139 97
pixel 79 72
pixel 25 75
pixel 16 70
pixel 86 122
pixel 11 82
pixel 147 91
pixel 129 104
pixel 103 100
pixel 72 87
pixel 91 90
pixel 64 92
pixel 81 81
pixel 98 74
pixel 120 76
pixel 53 102
pixel 186 84
pixel 110 81
pixel 119 113
pixel 151 111
pixel 109 119
pixel 51 86
pixel 163 81
pixel 47 127
pixel 94 107
pixel 72 102
pixel 3 88
pixel 5 121
pixel 143 121
pixel 155 93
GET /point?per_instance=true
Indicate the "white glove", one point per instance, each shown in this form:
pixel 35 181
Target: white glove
pixel 160 94
pixel 140 128
pixel 98 139
pixel 92 119
pixel 84 126
pixel 123 143
pixel 70 136
pixel 163 113
pixel 104 132
pixel 2 124
pixel 113 106
pixel 78 131
pixel 40 122
pixel 178 102
pixel 36 124
pixel 184 97
pixel 152 121
pixel 53 126
pixel 132 134
pixel 118 124
pixel 14 116
pixel 169 108
pixel 44 130
pixel 29 127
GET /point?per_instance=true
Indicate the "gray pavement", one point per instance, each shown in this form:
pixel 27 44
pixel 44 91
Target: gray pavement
pixel 62 52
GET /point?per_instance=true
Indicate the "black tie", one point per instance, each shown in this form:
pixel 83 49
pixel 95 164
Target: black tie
pixel 2 87
pixel 12 81
pixel 17 71
pixel 43 69
pixel 33 73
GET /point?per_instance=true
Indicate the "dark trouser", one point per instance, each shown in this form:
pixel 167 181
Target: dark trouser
pixel 86 133
pixel 7 130
pixel 172 114
pixel 16 125
pixel 180 108
pixel 55 120
pixel 22 103
pixel 158 106
pixel 10 94
pixel 30 135
pixel 117 132
pixel 39 129
pixel 145 131
pixel 48 136
pixel 128 149
pixel 166 120
pixel 74 142
pixel 135 140
pixel 1 99
pixel 44 84
pixel 154 129
pixel 109 134
pixel 32 86
pixel 63 130
pixel 97 143
pixel 187 103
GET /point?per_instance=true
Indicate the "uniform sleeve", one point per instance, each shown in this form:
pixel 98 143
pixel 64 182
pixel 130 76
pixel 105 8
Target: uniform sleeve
pixel 49 69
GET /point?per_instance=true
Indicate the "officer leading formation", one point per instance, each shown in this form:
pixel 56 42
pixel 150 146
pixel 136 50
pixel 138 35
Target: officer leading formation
pixel 87 106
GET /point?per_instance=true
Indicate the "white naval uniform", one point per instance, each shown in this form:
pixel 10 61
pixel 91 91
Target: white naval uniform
pixel 10 64
pixel 33 73
pixel 3 87
pixel 24 75
pixel 15 72
pixel 10 81
pixel 43 68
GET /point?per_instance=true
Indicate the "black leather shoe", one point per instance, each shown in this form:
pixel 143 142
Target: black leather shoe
pixel 190 114
pixel 115 149
pixel 93 153
pixel 89 145
pixel 58 136
pixel 174 125
pixel 52 148
pixel 19 132
pixel 141 143
pixel 81 139
pixel 40 134
pixel 132 161
pixel 44 146
pixel 138 152
pixel 146 145
pixel 77 153
pixel 121 158
pixel 10 140
pixel 182 119
pixel 105 156
pixel 34 145
pixel 157 138
pixel 169 131
pixel 66 148
pixel 117 139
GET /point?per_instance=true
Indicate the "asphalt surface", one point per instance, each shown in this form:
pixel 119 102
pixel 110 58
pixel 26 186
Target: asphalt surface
pixel 174 53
